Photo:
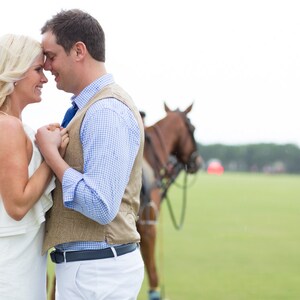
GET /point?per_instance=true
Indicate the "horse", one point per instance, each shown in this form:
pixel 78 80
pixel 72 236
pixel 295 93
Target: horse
pixel 170 148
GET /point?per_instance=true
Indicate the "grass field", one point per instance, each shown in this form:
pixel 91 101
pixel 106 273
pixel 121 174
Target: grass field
pixel 240 239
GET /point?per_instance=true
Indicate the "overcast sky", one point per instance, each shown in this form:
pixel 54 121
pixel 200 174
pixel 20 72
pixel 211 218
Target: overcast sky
pixel 237 61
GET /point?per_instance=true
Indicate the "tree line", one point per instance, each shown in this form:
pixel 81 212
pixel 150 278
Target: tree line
pixel 263 157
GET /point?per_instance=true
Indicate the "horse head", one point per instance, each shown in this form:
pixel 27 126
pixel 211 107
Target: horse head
pixel 184 146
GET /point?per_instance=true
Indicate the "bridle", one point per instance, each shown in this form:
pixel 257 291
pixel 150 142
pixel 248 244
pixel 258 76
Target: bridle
pixel 166 173
pixel 190 165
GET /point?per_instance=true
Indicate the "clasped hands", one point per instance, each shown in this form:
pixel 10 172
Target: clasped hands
pixel 51 138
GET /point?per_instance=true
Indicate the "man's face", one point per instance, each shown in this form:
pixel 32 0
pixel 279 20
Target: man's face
pixel 58 62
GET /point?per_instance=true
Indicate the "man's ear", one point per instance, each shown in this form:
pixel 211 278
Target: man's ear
pixel 80 49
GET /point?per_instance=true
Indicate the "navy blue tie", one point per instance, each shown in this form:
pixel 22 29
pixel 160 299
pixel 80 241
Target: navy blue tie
pixel 70 113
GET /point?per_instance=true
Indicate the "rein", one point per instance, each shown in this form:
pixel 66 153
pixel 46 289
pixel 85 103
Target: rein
pixel 178 167
pixel 179 225
pixel 166 173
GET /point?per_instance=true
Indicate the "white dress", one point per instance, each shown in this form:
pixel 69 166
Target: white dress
pixel 22 266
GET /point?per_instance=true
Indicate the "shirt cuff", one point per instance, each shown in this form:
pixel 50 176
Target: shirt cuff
pixel 70 181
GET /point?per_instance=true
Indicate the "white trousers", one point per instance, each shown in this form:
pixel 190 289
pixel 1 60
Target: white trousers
pixel 117 278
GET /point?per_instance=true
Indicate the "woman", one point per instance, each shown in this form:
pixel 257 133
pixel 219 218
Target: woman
pixel 26 180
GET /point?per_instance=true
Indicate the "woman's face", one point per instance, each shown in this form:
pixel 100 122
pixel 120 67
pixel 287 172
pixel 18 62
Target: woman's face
pixel 29 88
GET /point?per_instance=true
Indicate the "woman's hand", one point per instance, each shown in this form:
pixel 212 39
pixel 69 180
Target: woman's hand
pixel 64 137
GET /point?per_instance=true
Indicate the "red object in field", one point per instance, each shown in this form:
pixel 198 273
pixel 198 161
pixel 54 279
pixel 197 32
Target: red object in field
pixel 215 167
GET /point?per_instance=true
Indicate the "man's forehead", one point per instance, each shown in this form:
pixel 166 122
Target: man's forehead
pixel 48 38
pixel 50 47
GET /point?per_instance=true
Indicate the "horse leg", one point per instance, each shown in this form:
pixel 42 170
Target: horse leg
pixel 148 235
pixel 147 230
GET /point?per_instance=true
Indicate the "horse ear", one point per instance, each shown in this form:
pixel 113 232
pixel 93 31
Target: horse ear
pixel 167 109
pixel 188 109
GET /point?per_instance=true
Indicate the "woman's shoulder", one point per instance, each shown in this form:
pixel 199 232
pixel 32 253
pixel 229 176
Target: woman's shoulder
pixel 9 124
pixel 12 133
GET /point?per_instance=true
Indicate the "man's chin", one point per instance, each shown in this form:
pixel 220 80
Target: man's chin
pixel 58 86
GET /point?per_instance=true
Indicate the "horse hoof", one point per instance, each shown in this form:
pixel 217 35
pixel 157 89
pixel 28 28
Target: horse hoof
pixel 154 295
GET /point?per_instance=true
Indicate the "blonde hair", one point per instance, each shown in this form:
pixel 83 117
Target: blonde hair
pixel 17 55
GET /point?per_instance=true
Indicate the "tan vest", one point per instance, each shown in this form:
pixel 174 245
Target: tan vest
pixel 65 225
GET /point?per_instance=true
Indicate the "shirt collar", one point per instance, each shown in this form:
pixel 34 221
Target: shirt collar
pixel 92 89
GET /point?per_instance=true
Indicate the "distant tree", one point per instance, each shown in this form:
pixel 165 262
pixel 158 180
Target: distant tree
pixel 263 157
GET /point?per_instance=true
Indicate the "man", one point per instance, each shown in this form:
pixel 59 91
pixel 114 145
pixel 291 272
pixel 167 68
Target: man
pixel 92 224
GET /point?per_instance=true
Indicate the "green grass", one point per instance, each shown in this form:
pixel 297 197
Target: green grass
pixel 240 239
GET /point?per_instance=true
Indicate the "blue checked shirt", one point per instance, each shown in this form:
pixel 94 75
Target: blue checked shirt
pixel 110 138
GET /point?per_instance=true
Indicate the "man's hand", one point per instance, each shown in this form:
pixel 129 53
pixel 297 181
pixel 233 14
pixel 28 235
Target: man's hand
pixel 64 141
